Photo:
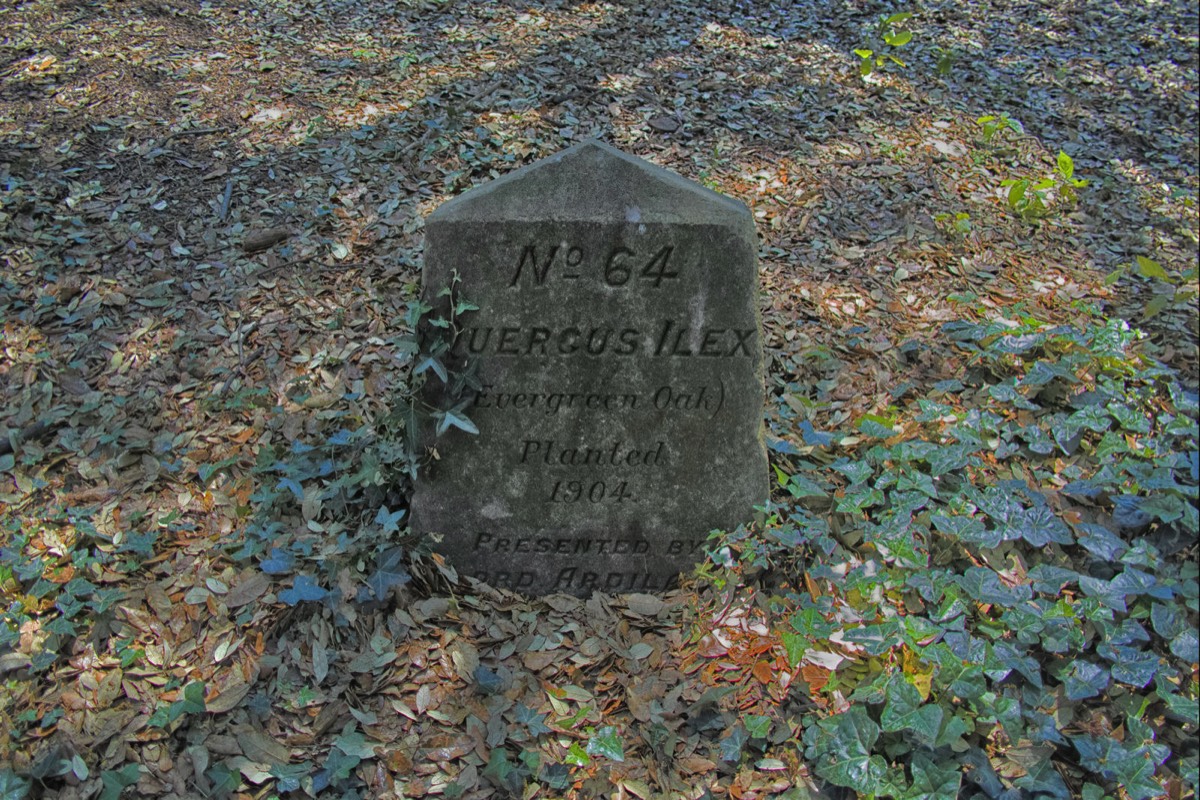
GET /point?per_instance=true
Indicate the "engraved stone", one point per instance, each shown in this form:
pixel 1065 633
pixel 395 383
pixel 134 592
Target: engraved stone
pixel 618 347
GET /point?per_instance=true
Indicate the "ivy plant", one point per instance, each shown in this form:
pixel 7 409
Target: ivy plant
pixel 992 590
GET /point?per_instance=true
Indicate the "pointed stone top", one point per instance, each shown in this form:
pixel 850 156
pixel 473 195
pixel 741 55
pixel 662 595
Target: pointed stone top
pixel 593 181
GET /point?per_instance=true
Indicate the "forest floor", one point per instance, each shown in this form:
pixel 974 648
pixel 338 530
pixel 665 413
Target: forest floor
pixel 210 232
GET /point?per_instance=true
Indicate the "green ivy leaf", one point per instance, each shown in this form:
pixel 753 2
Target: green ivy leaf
pixel 354 743
pixel 115 781
pixel 1083 679
pixel 966 529
pixel 1041 778
pixel 606 742
pixel 853 765
pixel 577 756
pixel 14 787
pixel 733 743
pixel 904 711
pixel 984 585
pixel 193 698
pixel 933 780
pixel 535 723
pixel 1186 646
pixel 1167 621
pixel 1183 708
pixel 795 646
pixel 555 776
pixel 501 772
pixel 758 726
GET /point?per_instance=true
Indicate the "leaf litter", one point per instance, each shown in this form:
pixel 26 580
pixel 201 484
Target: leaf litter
pixel 211 226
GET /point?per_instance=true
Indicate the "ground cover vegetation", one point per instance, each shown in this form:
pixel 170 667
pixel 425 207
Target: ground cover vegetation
pixel 977 575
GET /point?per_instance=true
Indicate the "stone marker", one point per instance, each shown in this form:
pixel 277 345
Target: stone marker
pixel 618 346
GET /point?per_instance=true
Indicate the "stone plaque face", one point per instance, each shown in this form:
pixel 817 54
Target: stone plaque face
pixel 618 346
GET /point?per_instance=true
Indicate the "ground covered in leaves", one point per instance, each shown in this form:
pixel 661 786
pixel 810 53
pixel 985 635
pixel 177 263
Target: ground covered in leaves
pixel 979 573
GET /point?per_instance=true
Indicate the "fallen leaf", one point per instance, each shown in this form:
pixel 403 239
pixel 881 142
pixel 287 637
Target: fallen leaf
pixel 664 124
pixel 261 240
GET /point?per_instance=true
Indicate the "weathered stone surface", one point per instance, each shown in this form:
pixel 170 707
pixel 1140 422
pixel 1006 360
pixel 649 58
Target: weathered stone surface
pixel 618 344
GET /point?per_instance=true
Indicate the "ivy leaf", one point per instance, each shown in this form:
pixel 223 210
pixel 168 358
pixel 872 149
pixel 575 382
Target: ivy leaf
pixel 501 773
pixel 606 742
pixel 876 639
pixel 1040 778
pixel 292 486
pixel 984 585
pixel 488 682
pixel 1092 418
pixel 304 590
pixel 432 363
pixel 455 418
pixel 1132 767
pixel 1050 580
pixel 966 529
pixel 857 471
pixel 933 781
pixel 1101 542
pixel 951 735
pixel 1039 526
pixel 555 776
pixel 1186 646
pixel 733 743
pixel 577 756
pixel 853 766
pixel 814 437
pixel 1104 591
pixel 1130 664
pixel 1083 679
pixel 535 723
pixel 948 459
pixel 904 711
pixel 354 743
pixel 1182 708
pixel 115 781
pixel 1168 620
pixel 964 680
pixel 193 698
pixel 389 574
pixel 388 520
pixel 758 726
pixel 280 562
pixel 795 647
pixel 1024 664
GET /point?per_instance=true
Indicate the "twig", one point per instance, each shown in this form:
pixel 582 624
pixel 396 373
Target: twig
pixel 225 198
pixel 192 132
pixel 854 162
pixel 240 370
pixel 293 263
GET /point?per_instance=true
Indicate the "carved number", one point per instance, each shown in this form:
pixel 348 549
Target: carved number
pixel 617 271
pixel 597 492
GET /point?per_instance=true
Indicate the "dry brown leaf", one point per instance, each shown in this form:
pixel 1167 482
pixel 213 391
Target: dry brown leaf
pixel 249 585
pixel 261 748
pixel 646 605
pixel 261 240
pixel 229 692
